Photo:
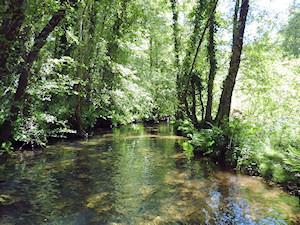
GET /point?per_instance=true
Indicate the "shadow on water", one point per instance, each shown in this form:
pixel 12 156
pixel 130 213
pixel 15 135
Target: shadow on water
pixel 134 175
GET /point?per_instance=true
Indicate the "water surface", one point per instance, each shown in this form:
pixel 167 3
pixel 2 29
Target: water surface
pixel 134 175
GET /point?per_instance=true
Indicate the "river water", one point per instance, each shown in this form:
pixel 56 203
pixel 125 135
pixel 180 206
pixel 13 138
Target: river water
pixel 134 175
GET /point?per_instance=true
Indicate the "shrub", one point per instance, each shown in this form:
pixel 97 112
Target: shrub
pixel 249 147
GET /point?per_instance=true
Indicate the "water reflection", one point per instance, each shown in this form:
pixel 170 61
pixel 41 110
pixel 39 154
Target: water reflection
pixel 135 175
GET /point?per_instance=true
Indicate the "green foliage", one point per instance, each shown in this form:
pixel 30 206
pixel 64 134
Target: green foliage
pixel 277 165
pixel 36 129
pixel 291 34
pixel 186 127
pixel 292 159
pixel 188 149
pixel 248 147
pixel 205 141
pixel 132 103
pixel 6 148
pixel 98 63
pixel 48 111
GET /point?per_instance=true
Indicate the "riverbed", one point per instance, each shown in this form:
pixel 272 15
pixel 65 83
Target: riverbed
pixel 134 175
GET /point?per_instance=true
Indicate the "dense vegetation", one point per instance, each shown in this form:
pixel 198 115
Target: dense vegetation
pixel 68 67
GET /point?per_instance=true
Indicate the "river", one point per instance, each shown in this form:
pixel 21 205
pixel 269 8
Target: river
pixel 134 175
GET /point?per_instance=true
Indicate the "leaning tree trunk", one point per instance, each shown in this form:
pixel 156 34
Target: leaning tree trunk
pixel 189 71
pixel 39 42
pixel 229 83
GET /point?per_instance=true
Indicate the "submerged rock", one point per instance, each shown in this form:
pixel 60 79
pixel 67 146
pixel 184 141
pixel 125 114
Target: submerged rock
pixel 7 199
pixel 96 200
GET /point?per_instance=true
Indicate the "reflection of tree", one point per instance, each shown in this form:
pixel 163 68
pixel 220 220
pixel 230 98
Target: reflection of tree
pixel 88 181
pixel 40 188
pixel 33 191
pixel 46 189
pixel 219 196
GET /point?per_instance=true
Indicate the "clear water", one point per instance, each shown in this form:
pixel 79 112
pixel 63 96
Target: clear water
pixel 134 175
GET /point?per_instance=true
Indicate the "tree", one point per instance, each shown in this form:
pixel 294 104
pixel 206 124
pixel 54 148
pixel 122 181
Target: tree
pixel 239 24
pixel 84 52
pixel 24 71
pixel 108 61
pixel 291 34
pixel 175 32
pixel 9 30
pixel 201 24
pixel 174 6
pixel 213 68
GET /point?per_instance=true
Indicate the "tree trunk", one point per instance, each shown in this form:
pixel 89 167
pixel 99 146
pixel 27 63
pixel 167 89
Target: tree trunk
pixel 62 47
pixel 87 30
pixel 229 83
pixel 113 46
pixel 9 30
pixel 199 86
pixel 179 110
pixel 80 72
pixel 175 33
pixel 39 42
pixel 189 71
pixel 199 44
pixel 194 103
pixel 213 69
pixel 151 53
pixel 78 121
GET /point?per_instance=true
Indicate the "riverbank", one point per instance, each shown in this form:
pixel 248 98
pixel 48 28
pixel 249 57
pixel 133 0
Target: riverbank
pixel 101 126
pixel 239 148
